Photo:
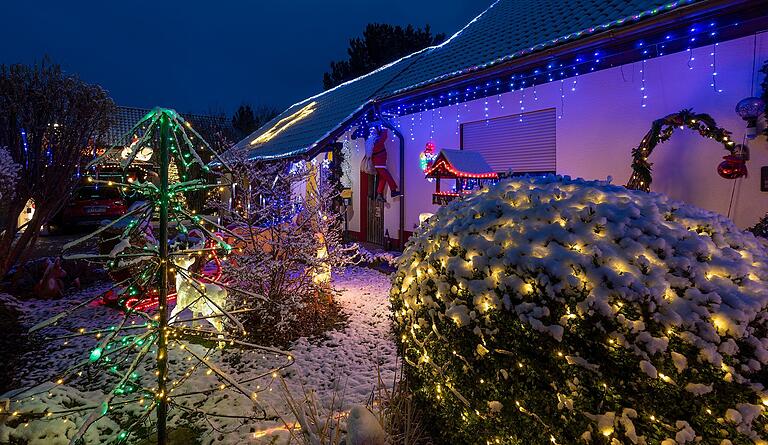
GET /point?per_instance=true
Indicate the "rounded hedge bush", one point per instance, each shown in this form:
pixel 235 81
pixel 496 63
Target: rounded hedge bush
pixel 554 310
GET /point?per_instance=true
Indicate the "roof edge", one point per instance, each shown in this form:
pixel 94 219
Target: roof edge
pixel 691 10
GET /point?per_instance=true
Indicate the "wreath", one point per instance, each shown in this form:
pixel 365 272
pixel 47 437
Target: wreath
pixel 661 131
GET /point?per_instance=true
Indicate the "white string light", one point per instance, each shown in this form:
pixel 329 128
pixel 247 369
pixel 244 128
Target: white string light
pixel 713 84
pixel 691 58
pixel 643 101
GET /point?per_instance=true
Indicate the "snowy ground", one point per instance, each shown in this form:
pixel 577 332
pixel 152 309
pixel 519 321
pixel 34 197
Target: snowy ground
pixel 346 362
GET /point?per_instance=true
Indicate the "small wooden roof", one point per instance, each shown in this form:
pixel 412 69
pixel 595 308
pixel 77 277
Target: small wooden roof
pixel 454 164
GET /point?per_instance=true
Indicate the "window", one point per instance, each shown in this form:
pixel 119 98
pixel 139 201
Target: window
pixel 523 143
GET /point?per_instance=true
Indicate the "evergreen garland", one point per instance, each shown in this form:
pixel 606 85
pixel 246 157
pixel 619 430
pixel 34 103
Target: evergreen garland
pixel 661 131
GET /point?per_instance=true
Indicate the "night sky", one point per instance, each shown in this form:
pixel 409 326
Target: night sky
pixel 207 56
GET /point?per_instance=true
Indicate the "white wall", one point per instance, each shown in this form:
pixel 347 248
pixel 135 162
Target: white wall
pixel 602 121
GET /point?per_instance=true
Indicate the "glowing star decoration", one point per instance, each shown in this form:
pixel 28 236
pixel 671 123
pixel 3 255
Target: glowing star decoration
pixel 285 123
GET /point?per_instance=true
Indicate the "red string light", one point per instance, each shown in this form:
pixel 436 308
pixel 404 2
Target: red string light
pixel 442 164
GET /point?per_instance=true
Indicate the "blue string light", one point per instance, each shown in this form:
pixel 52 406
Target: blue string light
pixel 552 70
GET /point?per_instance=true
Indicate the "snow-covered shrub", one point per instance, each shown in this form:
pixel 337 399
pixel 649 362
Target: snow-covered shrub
pixel 552 310
pixel 291 230
pixel 388 259
pixel 9 174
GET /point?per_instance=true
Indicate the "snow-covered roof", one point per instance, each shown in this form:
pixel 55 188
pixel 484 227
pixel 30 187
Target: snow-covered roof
pixel 126 117
pixel 506 30
pixel 461 163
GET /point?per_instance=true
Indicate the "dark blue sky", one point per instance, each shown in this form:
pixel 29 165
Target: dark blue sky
pixel 207 55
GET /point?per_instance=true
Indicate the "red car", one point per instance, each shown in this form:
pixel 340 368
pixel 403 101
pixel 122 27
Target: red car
pixel 91 205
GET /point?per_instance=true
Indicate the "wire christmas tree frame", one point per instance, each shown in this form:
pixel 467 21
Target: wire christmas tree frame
pixel 121 349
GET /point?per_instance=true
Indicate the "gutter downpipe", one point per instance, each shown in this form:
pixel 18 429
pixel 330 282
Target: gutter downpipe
pixel 401 161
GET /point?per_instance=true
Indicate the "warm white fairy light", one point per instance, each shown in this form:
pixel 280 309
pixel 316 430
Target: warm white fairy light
pixel 533 286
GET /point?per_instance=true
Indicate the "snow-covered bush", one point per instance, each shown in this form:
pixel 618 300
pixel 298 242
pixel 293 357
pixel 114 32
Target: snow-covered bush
pixel 9 174
pixel 388 259
pixel 552 310
pixel 291 230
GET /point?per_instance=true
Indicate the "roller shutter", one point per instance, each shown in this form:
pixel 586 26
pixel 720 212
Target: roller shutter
pixel 524 143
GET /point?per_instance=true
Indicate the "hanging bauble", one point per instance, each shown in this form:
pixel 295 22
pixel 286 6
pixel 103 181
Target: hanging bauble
pixel 732 167
pixel 750 109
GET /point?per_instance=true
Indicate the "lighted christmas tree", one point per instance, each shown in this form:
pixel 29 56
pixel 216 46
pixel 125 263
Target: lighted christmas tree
pixel 160 251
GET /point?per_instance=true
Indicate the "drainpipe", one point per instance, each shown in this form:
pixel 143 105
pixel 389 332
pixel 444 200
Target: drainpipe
pixel 388 124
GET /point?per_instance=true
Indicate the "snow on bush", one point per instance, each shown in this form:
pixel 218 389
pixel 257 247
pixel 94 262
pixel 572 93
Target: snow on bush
pixel 556 310
pixel 374 258
pixel 9 174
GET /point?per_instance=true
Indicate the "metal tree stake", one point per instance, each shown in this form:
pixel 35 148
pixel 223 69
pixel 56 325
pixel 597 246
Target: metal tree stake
pixel 162 343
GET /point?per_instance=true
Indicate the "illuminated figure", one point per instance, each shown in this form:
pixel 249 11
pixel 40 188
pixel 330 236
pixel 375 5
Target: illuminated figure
pixel 376 149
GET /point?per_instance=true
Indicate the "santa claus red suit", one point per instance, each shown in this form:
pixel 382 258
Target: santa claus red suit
pixel 377 150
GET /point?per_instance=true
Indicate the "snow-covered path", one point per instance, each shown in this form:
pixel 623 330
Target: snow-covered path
pixel 355 353
pixel 349 362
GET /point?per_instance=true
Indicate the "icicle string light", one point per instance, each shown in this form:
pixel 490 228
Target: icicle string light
pixel 667 43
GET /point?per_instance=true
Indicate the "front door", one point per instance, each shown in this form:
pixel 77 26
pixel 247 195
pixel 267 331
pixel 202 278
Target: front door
pixel 375 232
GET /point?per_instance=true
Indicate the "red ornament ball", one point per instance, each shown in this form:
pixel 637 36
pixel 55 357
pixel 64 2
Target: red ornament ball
pixel 732 167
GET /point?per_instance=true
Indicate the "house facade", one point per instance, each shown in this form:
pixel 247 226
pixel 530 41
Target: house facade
pixel 549 87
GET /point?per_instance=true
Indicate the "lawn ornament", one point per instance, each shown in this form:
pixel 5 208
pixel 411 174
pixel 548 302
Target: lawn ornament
pixel 467 168
pixel 51 285
pixel 202 299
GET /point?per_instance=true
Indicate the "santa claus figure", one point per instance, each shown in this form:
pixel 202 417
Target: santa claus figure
pixel 377 151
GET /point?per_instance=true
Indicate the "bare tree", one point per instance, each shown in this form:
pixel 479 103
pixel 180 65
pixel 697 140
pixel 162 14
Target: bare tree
pixel 48 121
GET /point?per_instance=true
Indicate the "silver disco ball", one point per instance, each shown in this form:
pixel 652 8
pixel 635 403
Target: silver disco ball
pixel 750 108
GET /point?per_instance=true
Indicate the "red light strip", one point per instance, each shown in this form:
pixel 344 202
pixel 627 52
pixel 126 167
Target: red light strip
pixel 446 166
